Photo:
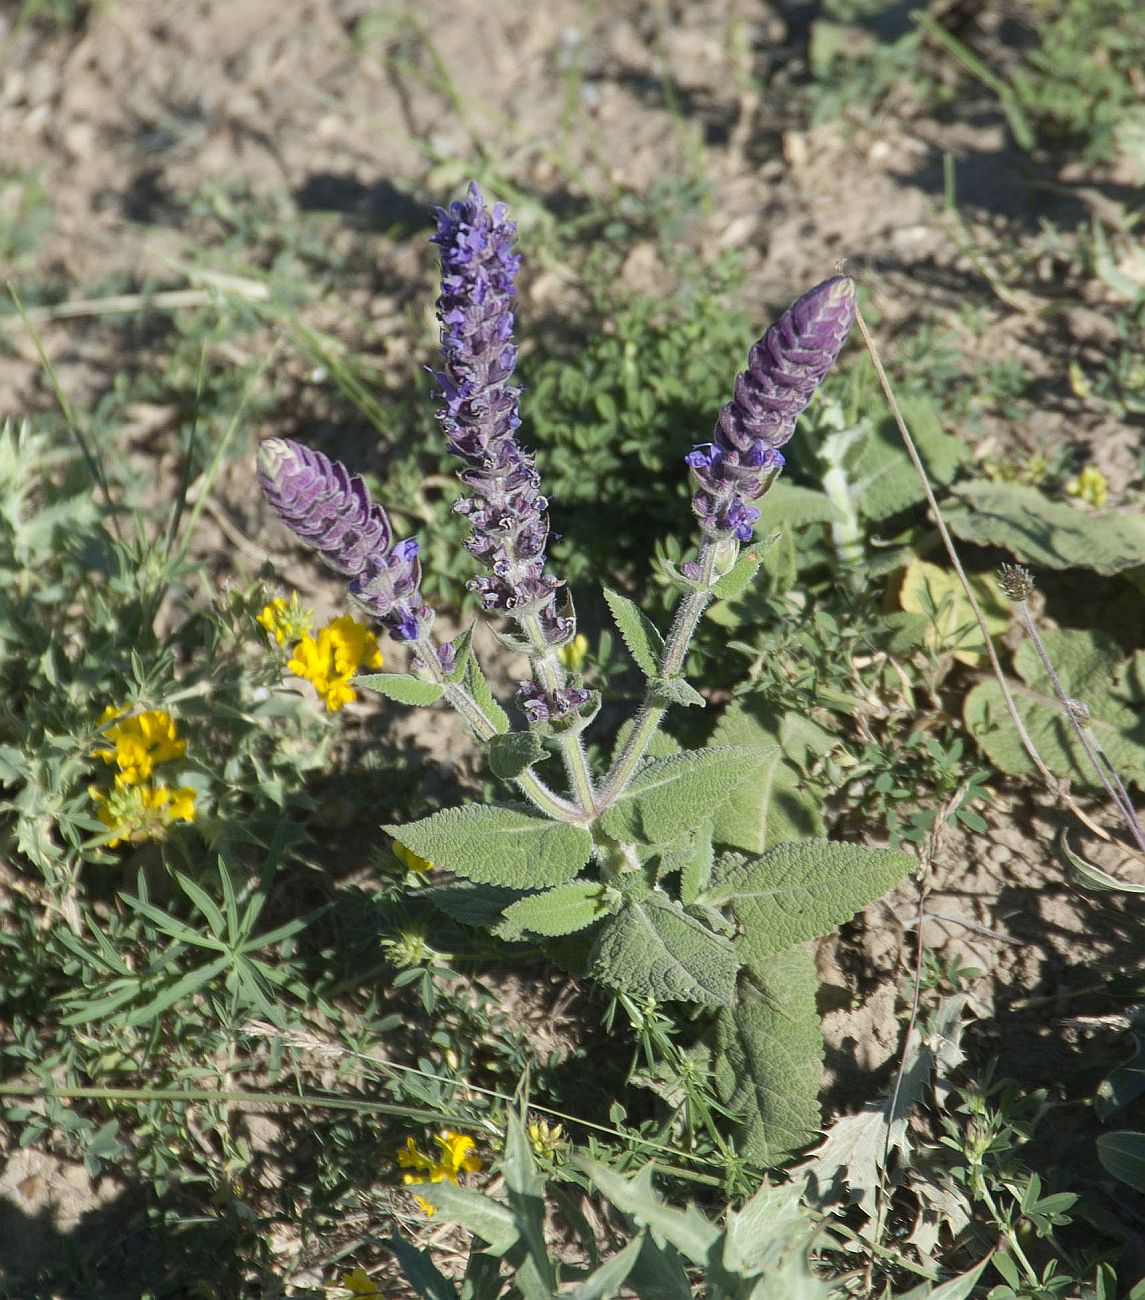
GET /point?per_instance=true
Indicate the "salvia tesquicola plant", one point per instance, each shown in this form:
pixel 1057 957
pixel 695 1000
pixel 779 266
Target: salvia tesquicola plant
pixel 690 876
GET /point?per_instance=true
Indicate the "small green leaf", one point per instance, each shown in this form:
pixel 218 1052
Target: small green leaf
pixel 421 1272
pixel 687 1230
pixel 695 865
pixel 478 687
pixel 797 891
pixel 738 578
pixel 652 949
pixel 1094 877
pixel 562 910
pixel 497 845
pixel 644 642
pixel 462 650
pixel 512 753
pixel 403 687
pixel 605 1282
pixel 1123 1155
pixel 675 690
pixel 954 1288
pixel 669 797
pixel 768 1057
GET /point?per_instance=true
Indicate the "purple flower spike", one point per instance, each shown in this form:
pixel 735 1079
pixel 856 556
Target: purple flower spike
pixel 332 511
pixel 783 371
pixel 480 415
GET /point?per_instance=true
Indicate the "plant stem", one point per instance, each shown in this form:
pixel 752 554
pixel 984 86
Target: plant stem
pixel 652 710
pixel 551 678
pixel 1089 742
pixel 531 785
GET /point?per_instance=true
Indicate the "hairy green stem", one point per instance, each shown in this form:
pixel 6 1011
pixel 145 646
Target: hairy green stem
pixel 551 678
pixel 531 785
pixel 652 710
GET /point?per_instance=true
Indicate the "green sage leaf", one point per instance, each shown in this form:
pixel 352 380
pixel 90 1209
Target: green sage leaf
pixel 564 909
pixel 515 751
pixel 800 890
pixel 478 687
pixel 644 642
pixel 669 797
pixel 652 949
pixel 403 687
pixel 497 845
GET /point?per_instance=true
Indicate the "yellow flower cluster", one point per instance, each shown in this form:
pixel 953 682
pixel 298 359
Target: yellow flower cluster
pixel 1089 486
pixel 329 659
pixel 409 859
pixel 572 653
pixel 456 1156
pixel 138 806
pixel 286 620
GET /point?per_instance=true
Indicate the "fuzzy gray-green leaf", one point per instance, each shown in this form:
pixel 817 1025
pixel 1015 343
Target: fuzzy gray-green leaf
pixel 799 890
pixel 644 642
pixel 403 687
pixel 514 751
pixel 1044 532
pixel 671 796
pixel 498 846
pixel 469 903
pixel 564 909
pixel 1087 665
pixel 478 687
pixel 652 949
pixel 768 1057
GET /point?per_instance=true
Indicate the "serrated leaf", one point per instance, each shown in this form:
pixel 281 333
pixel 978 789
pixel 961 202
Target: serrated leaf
pixel 513 752
pixel 670 796
pixel 403 687
pixel 800 890
pixel 497 845
pixel 1123 1155
pixel 652 949
pixel 1039 531
pixel 644 642
pixel 694 864
pixel 563 910
pixel 1086 664
pixel 486 1218
pixel 738 578
pixel 675 690
pixel 471 904
pixel 770 806
pixel 688 1231
pixel 478 687
pixel 768 1058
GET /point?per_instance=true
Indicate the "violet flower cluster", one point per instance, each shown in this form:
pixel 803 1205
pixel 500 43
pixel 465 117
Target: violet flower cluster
pixel 783 371
pixel 507 513
pixel 332 511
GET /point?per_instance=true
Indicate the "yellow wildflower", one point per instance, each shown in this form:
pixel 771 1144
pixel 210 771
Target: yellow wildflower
pixel 140 742
pixel 1089 486
pixel 409 859
pixel 573 652
pixel 456 1157
pixel 139 812
pixel 286 620
pixel 358 1283
pixel 330 659
pixel 547 1139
